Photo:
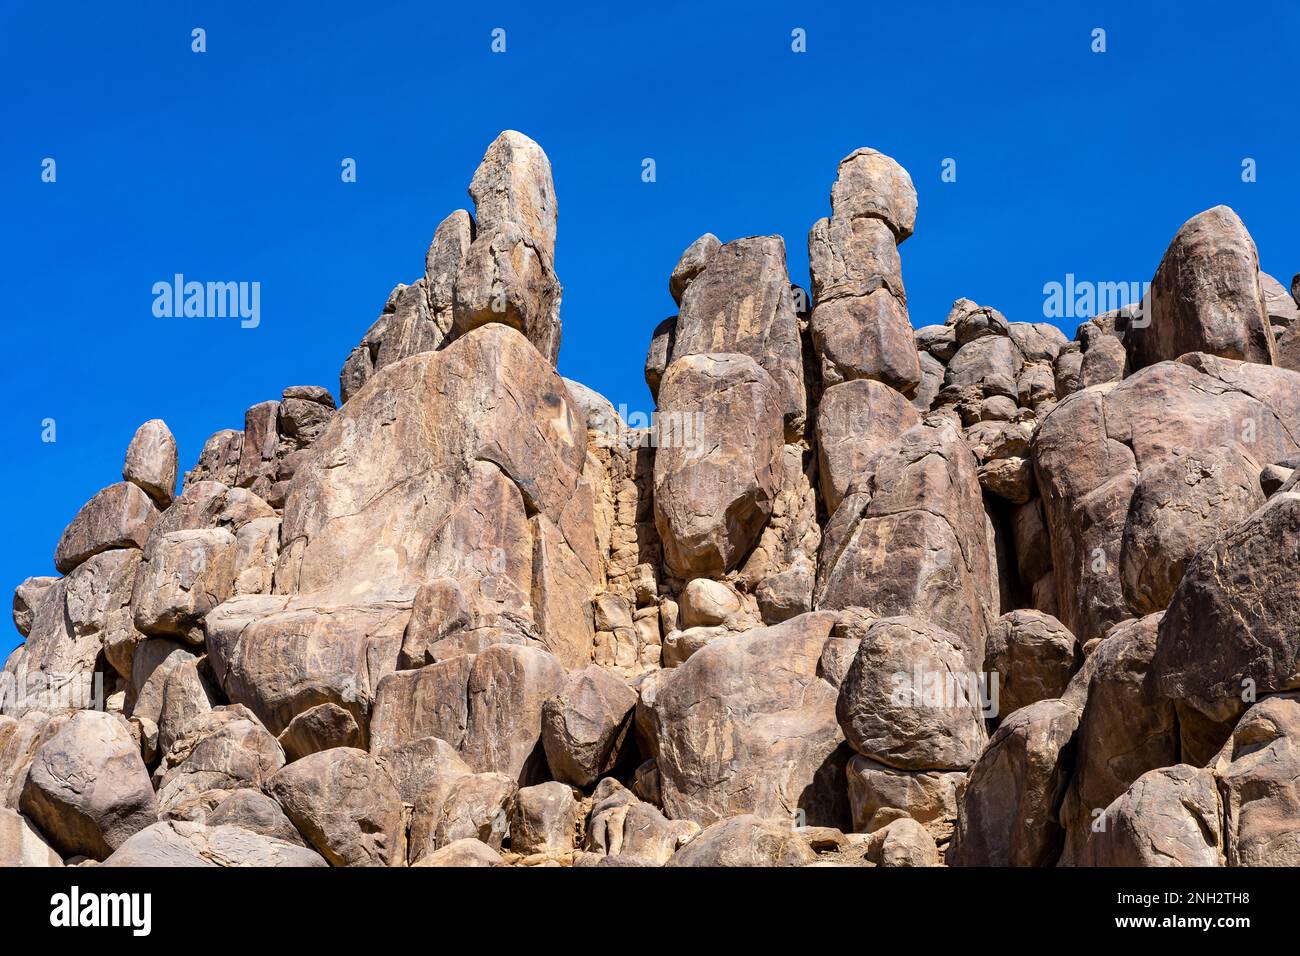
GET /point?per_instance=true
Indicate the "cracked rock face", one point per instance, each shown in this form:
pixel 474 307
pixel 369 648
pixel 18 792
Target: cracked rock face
pixel 970 594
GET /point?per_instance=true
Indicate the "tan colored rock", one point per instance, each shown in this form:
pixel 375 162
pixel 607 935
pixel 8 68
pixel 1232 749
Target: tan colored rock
pixel 1230 632
pixel 424 769
pixel 745 840
pixel 281 656
pixel 707 603
pixel 871 185
pixel 219 459
pixel 187 574
pixel 151 461
pixel 21 844
pixel 1008 812
pixel 1168 817
pixel 119 516
pixel 507 687
pixel 477 805
pixel 87 788
pixel 1126 728
pixel 27 597
pixel 507 279
pixel 459 853
pixel 880 794
pixel 177 843
pixel 78 619
pixel 855 420
pixel 1034 656
pixel 1090 449
pixel 693 261
pixel 910 700
pixel 1180 505
pixel 254 811
pixel 659 354
pixel 904 842
pixel 431 701
pixel 322 727
pixel 225 749
pixel 345 805
pixel 866 336
pixel 585 726
pixel 746 726
pixel 912 537
pixel 424 420
pixel 544 819
pixel 741 302
pixel 1205 297
pixel 1257 782
pixel 512 184
pixel 714 487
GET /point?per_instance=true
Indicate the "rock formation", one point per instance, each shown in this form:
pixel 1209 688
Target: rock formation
pixel 863 595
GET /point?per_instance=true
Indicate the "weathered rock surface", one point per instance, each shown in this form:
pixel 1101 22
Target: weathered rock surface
pixel 1034 656
pixel 151 462
pixel 585 726
pixel 178 843
pixel 909 699
pixel 120 516
pixel 745 840
pixel 87 788
pixel 715 479
pixel 345 805
pixel 1168 817
pixel 912 537
pixel 746 726
pixel 1206 296
pixel 1009 810
pixel 1230 632
pixel 472 615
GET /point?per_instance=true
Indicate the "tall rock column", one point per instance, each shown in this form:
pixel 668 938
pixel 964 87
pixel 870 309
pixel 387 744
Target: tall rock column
pixel 508 273
pixel 860 325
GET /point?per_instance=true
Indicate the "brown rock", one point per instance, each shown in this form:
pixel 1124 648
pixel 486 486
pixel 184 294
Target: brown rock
pixel 544 819
pixel 120 516
pixel 87 788
pixel 151 461
pixel 741 302
pixel 912 537
pixel 1231 629
pixel 322 727
pixel 855 420
pixel 746 726
pixel 177 843
pixel 745 840
pixel 1168 817
pixel 714 487
pixel 507 687
pixel 1126 728
pixel 1008 812
pixel 343 802
pixel 584 727
pixel 1205 297
pixel 1180 505
pixel 1034 656
pixel 908 701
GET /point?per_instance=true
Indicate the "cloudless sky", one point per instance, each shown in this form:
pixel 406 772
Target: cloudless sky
pixel 225 166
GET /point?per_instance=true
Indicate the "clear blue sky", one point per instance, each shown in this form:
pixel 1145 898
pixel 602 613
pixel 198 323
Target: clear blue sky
pixel 225 166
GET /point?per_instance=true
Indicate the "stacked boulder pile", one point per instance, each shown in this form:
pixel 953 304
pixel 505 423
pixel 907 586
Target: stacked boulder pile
pixel 862 595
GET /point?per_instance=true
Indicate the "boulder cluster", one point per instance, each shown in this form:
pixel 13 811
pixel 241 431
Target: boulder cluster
pixel 965 594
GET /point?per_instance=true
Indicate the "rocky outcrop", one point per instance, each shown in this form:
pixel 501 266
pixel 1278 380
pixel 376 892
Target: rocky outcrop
pixel 971 594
